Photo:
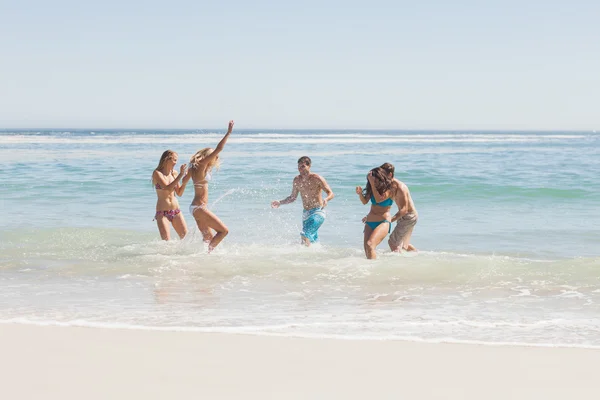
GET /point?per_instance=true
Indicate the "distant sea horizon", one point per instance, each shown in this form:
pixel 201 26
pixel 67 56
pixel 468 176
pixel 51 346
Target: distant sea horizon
pixel 220 128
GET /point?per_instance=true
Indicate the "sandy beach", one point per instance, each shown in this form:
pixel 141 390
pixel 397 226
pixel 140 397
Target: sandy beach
pixel 75 363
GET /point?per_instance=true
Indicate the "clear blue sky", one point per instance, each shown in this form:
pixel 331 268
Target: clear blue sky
pixel 302 64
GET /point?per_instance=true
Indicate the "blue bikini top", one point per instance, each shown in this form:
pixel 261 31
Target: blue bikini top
pixel 385 203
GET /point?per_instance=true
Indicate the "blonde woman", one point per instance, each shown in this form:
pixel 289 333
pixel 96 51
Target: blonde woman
pixel 201 165
pixel 166 182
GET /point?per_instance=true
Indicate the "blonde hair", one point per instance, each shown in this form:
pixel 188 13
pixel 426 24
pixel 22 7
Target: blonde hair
pixel 202 154
pixel 167 155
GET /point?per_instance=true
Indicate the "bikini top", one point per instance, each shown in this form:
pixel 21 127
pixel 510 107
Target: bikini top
pixel 384 203
pixel 207 178
pixel 157 185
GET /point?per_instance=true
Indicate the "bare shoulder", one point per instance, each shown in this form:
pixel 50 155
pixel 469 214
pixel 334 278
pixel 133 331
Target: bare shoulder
pixel 158 174
pixel 400 185
pixel 318 178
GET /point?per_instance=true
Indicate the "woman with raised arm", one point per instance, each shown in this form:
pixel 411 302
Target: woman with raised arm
pixel 377 224
pixel 201 165
pixel 166 182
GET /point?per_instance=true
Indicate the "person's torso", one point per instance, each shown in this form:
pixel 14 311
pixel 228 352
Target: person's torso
pixel 403 188
pixel 200 179
pixel 379 212
pixel 166 199
pixel 310 191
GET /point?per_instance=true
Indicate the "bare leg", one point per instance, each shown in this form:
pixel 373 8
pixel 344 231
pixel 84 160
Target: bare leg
pixel 375 238
pixel 180 225
pixel 207 234
pixel 406 241
pixel 393 243
pixel 304 241
pixel 163 227
pixel 367 234
pixel 206 220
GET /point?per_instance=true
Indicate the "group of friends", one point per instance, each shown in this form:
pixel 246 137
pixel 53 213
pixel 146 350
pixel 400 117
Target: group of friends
pixel 382 190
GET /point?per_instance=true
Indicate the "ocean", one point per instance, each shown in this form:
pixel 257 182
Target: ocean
pixel 508 236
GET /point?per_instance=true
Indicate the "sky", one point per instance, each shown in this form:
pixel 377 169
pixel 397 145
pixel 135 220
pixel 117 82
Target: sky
pixel 183 64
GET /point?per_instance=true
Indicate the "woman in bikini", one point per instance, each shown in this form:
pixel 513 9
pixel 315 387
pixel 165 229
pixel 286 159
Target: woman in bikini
pixel 377 224
pixel 201 165
pixel 166 182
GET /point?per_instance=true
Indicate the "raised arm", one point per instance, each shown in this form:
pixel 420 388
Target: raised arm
pixel 181 188
pixel 379 197
pixel 208 159
pixel 327 190
pixel 159 178
pixel 290 199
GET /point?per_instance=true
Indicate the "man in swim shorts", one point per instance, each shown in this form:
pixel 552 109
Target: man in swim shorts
pixel 309 185
pixel 406 217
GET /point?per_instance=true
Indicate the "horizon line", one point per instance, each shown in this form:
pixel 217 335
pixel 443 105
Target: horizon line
pixel 312 129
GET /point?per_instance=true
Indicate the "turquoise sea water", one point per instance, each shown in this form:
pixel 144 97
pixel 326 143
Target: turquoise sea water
pixel 508 236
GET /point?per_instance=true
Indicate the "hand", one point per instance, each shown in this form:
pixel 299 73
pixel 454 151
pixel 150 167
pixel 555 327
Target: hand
pixel 230 127
pixel 364 219
pixel 359 190
pixel 275 204
pixel 324 204
pixel 182 169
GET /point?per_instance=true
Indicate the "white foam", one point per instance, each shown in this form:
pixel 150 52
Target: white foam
pixel 262 331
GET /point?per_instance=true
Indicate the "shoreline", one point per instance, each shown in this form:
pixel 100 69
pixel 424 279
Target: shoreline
pixel 75 362
pixel 208 331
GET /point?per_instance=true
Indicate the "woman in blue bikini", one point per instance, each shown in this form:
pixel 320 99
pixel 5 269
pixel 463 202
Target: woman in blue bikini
pixel 377 224
pixel 201 165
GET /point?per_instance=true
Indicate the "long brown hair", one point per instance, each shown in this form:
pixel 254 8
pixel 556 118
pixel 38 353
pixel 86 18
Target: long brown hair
pixel 383 183
pixel 167 155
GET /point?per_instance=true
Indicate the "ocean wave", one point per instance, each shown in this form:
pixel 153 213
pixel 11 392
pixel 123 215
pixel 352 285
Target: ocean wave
pixel 284 138
pixel 85 251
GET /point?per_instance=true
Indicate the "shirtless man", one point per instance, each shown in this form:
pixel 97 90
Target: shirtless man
pixel 309 185
pixel 406 216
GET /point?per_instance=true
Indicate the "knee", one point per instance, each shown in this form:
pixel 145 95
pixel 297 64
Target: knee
pixel 371 245
pixel 225 231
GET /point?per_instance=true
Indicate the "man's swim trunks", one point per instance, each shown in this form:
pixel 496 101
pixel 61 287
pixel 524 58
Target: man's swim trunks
pixel 403 227
pixel 311 222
